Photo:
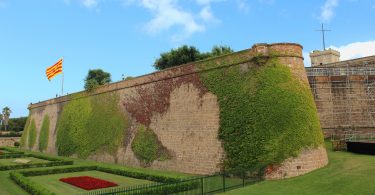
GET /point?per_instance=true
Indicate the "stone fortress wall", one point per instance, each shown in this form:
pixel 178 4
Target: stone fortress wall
pixel 184 115
pixel 344 94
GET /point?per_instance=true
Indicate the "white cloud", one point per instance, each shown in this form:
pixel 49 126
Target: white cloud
pixel 206 14
pixel 327 10
pixel 356 50
pixel 168 15
pixel 306 59
pixel 243 6
pixel 86 3
pixel 90 3
pixel 269 2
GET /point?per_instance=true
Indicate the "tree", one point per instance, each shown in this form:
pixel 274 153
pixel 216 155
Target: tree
pixel 186 54
pixel 95 78
pixel 181 55
pixel 219 50
pixel 17 124
pixel 6 115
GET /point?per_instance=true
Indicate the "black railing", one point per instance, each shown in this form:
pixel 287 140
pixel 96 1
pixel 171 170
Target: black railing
pixel 199 185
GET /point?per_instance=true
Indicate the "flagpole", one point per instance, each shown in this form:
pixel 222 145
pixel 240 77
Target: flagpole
pixel 62 80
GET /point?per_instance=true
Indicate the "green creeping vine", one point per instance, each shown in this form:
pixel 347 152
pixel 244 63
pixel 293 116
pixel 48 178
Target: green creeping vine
pixel 44 133
pixel 147 147
pixel 25 132
pixel 266 115
pixel 91 124
pixel 32 134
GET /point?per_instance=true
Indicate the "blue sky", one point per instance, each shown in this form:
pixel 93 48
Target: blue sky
pixel 126 36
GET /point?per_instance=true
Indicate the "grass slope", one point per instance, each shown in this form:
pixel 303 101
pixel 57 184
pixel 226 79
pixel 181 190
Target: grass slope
pixel 346 173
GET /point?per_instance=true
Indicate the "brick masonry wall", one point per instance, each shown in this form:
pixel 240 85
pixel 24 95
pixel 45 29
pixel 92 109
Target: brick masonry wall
pixel 307 161
pixel 177 107
pixel 345 103
pixel 8 141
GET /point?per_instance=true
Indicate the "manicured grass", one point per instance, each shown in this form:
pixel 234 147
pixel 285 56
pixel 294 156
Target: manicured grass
pixel 346 173
pixel 8 187
pixel 9 161
pixel 52 183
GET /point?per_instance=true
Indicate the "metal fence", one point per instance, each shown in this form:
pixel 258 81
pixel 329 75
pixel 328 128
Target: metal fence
pixel 340 71
pixel 354 136
pixel 192 186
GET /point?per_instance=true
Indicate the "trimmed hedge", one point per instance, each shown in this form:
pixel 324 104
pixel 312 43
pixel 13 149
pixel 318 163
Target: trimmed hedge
pixel 44 133
pixel 266 115
pixel 54 162
pixel 9 152
pixel 28 185
pixel 32 134
pixel 91 124
pixel 169 184
pixel 146 146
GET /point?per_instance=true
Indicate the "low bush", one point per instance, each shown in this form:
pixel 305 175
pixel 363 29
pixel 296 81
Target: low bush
pixel 28 185
pixel 9 151
pixel 16 144
pixel 147 147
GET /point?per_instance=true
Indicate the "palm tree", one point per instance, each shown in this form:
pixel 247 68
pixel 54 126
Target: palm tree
pixel 6 115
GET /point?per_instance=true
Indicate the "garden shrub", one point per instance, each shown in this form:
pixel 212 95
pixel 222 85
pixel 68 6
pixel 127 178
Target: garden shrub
pixel 32 134
pixel 28 185
pixel 266 115
pixel 25 132
pixel 91 124
pixel 147 147
pixel 44 134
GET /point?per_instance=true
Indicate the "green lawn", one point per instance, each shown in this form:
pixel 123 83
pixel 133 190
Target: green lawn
pixel 346 173
pixel 52 183
pixel 8 187
pixel 9 161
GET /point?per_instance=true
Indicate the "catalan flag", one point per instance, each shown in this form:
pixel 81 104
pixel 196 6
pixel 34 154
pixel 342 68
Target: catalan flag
pixel 54 70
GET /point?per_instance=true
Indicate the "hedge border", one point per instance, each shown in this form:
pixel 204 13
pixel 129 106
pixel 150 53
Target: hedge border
pixel 20 177
pixel 54 162
pixel 10 152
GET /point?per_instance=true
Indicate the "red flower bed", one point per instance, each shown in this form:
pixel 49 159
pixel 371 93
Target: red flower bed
pixel 88 183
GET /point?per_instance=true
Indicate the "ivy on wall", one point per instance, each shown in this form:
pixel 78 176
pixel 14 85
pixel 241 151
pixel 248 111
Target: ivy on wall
pixel 89 124
pixel 25 133
pixel 146 146
pixel 44 134
pixel 266 115
pixel 32 134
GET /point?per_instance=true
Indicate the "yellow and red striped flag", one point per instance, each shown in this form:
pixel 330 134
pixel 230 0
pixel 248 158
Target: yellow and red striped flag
pixel 54 70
